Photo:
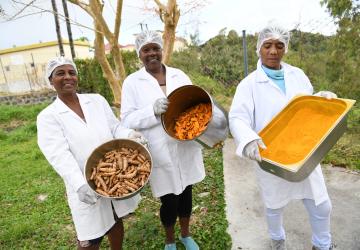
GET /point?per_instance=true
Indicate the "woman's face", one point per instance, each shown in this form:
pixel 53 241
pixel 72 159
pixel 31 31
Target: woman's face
pixel 151 56
pixel 64 79
pixel 271 53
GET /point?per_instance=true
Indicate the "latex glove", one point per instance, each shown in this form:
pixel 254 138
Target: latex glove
pixel 87 195
pixel 138 137
pixel 251 149
pixel 160 106
pixel 327 94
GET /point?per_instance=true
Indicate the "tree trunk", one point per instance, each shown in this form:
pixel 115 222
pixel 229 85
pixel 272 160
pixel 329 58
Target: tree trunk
pixel 169 15
pixel 106 67
pixel 116 76
pixel 57 26
pixel 169 40
pixel 68 27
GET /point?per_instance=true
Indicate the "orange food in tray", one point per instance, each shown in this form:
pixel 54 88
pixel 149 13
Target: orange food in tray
pixel 193 121
pixel 301 134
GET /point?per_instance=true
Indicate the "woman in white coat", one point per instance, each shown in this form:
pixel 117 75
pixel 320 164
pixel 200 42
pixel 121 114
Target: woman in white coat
pixel 258 98
pixel 177 165
pixel 69 129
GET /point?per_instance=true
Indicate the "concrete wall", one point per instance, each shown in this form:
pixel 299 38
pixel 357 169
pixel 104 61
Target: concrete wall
pixel 22 68
pixel 28 98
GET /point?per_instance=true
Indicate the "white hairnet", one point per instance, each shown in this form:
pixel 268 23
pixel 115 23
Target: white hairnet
pixel 146 37
pixel 56 62
pixel 273 31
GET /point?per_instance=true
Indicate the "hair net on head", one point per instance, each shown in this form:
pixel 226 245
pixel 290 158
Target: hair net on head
pixel 273 31
pixel 56 62
pixel 146 37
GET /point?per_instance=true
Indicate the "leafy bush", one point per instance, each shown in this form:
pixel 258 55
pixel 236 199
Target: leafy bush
pixel 188 60
pixel 222 57
pixel 91 79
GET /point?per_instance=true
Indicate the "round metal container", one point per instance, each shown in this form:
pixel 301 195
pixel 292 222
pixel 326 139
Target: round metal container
pixel 115 144
pixel 186 97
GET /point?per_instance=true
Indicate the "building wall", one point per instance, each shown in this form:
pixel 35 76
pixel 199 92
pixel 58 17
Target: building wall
pixel 28 98
pixel 22 69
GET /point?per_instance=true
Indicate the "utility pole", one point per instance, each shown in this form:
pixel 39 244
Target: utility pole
pixel 245 53
pixel 57 25
pixel 68 27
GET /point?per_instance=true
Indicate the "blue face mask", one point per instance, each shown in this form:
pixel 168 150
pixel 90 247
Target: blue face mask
pixel 277 76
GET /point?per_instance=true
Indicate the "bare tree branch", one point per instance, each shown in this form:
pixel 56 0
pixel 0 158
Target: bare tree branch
pixel 118 19
pixel 21 10
pixel 42 10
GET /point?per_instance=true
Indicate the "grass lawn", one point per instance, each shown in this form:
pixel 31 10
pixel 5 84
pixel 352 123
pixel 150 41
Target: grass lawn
pixel 34 212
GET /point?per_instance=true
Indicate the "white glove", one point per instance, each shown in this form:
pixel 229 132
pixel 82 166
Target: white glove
pixel 326 94
pixel 138 137
pixel 87 195
pixel 251 150
pixel 160 106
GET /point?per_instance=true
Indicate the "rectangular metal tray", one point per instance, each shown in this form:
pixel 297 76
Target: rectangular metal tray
pixel 297 167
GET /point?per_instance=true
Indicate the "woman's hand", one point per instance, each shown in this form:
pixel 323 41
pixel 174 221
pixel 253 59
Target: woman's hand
pixel 251 150
pixel 160 106
pixel 138 137
pixel 327 94
pixel 87 195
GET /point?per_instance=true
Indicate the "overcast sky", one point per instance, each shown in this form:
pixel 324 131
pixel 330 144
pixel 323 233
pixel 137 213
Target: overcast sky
pixel 249 15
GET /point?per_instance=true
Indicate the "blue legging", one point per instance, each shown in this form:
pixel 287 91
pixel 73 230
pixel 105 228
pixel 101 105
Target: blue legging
pixel 319 219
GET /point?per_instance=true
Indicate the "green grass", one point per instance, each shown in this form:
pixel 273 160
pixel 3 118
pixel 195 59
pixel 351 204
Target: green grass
pixel 27 222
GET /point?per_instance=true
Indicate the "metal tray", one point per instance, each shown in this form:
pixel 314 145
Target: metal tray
pixel 300 166
pixel 100 151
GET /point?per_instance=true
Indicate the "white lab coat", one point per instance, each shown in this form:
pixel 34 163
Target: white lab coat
pixel 176 164
pixel 67 141
pixel 257 100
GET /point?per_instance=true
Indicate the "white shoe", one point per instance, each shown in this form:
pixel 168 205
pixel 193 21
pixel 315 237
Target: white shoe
pixel 278 245
pixel 332 246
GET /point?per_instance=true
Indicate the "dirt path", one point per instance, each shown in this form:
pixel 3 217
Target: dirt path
pixel 244 208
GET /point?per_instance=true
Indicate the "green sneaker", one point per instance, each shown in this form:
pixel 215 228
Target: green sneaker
pixel 189 243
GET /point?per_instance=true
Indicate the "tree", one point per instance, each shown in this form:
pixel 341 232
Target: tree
pixel 169 15
pixel 68 27
pixel 57 27
pixel 115 76
pixel 344 65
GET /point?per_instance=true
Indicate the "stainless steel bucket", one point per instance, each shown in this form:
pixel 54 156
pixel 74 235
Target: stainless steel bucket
pixel 100 151
pixel 188 96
